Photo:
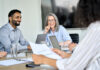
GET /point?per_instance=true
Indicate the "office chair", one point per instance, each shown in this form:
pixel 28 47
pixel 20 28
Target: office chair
pixel 74 37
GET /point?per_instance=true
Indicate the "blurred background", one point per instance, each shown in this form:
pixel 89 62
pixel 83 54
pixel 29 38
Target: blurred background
pixel 64 9
pixel 34 12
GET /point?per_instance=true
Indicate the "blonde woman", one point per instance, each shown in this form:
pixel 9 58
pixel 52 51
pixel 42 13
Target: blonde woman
pixel 52 27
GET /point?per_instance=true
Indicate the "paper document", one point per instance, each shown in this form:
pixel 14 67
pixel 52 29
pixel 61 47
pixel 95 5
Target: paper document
pixel 18 55
pixel 44 50
pixel 14 61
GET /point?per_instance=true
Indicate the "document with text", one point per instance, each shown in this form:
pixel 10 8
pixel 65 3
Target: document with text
pixel 10 62
pixel 43 49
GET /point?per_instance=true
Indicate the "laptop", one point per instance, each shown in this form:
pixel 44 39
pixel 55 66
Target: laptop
pixel 41 39
pixel 54 43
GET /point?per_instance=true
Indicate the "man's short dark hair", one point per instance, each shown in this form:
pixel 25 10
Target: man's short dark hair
pixel 12 12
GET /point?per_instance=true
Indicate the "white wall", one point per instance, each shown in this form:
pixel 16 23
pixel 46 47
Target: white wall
pixel 31 23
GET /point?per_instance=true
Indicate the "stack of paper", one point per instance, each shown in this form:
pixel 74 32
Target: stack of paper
pixel 44 50
pixel 15 61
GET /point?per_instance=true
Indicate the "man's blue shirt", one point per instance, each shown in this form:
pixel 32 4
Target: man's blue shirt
pixel 9 35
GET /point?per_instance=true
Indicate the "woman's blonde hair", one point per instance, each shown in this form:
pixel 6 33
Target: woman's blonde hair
pixel 56 20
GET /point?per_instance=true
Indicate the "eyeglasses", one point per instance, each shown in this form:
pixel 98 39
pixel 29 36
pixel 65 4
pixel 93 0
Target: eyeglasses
pixel 52 20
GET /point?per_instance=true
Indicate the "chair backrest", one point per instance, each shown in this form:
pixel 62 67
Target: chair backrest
pixel 75 37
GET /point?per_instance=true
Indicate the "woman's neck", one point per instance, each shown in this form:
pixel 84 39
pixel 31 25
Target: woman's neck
pixel 53 29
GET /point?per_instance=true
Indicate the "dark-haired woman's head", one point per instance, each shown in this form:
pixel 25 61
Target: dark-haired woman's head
pixel 87 11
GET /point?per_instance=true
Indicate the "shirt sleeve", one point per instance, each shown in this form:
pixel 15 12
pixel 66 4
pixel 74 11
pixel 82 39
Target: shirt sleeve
pixel 5 41
pixel 84 52
pixel 65 34
pixel 23 42
pixel 60 64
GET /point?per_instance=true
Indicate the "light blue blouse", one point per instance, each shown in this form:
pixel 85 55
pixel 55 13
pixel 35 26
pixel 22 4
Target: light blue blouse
pixel 62 35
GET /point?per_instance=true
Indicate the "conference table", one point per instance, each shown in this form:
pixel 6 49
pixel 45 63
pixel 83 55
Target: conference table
pixel 23 65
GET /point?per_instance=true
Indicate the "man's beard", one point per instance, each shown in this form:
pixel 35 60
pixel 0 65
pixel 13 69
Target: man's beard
pixel 15 23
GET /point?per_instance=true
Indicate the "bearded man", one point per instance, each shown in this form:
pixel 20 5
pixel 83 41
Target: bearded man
pixel 10 33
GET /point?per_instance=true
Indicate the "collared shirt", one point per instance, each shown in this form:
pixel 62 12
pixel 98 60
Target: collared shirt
pixel 62 35
pixel 9 35
pixel 85 54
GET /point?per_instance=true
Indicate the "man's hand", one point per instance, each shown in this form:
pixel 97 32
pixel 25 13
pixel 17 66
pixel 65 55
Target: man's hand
pixel 2 54
pixel 29 47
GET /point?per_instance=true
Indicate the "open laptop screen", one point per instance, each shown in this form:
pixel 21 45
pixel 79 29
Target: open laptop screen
pixel 54 43
pixel 41 39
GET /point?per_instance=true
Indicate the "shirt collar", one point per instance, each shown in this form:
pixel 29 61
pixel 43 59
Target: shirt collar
pixel 52 33
pixel 11 28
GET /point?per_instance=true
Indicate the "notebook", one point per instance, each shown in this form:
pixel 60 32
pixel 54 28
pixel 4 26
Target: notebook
pixel 54 43
pixel 41 39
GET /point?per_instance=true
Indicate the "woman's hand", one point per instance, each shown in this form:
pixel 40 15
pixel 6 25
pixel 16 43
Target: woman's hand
pixel 61 43
pixel 2 54
pixel 66 43
pixel 38 59
pixel 61 53
pixel 47 28
pixel 71 46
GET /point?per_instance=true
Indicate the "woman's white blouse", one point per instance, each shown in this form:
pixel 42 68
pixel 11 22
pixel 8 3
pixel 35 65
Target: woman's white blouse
pixel 85 51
